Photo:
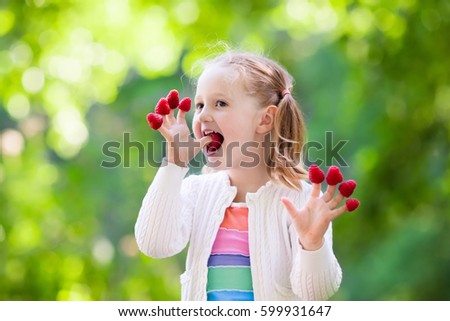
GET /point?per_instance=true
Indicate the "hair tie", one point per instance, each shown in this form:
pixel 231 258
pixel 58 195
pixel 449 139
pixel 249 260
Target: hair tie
pixel 285 92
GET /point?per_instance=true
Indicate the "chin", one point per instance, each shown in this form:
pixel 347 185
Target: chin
pixel 215 163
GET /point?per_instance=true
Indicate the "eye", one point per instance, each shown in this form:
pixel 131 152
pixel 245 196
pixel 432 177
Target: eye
pixel 221 103
pixel 199 105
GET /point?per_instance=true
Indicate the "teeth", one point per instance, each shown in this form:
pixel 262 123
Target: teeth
pixel 207 132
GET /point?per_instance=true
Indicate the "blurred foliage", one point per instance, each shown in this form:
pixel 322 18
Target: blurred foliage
pixel 75 75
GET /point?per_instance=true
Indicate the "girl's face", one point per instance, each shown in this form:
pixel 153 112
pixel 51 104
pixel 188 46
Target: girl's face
pixel 224 110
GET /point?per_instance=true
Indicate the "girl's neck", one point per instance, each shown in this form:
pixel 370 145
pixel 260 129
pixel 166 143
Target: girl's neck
pixel 247 180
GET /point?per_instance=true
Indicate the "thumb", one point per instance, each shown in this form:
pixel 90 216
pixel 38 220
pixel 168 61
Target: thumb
pixel 292 210
pixel 205 140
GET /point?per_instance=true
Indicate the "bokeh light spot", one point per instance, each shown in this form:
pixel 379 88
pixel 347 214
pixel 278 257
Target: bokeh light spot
pixel 18 106
pixel 21 54
pixel 69 124
pixel 114 63
pixel 33 80
pixel 72 267
pixel 25 235
pixel 128 245
pixel 7 21
pixel 11 142
pixel 187 12
pixel 103 251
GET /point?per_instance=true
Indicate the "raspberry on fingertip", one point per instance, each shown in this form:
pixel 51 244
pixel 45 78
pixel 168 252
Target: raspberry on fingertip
pixel 162 107
pixel 185 104
pixel 173 99
pixel 334 176
pixel 352 204
pixel 155 120
pixel 316 175
pixel 346 188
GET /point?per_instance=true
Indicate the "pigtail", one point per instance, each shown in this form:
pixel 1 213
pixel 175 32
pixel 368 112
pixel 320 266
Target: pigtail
pixel 285 160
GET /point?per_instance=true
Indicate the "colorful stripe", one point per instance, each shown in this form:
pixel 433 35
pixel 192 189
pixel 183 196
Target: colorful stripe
pixel 229 278
pixel 230 296
pixel 231 242
pixel 229 273
pixel 236 218
pixel 228 260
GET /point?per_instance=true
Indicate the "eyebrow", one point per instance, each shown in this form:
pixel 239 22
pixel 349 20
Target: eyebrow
pixel 215 94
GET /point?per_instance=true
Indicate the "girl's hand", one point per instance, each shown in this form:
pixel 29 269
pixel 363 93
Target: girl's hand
pixel 313 220
pixel 181 146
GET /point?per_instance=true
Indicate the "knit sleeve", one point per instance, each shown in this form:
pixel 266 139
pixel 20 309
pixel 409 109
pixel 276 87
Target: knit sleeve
pixel 165 219
pixel 315 275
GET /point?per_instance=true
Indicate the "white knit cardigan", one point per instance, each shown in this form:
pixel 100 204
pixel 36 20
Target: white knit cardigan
pixel 178 210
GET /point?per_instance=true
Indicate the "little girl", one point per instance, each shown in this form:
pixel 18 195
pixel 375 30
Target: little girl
pixel 256 230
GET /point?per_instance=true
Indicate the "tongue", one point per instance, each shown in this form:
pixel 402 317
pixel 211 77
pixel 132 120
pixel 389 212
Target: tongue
pixel 213 147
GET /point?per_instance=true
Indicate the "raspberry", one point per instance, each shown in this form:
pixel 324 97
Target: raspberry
pixel 334 176
pixel 154 120
pixel 316 175
pixel 214 145
pixel 162 107
pixel 173 99
pixel 185 104
pixel 351 204
pixel 347 188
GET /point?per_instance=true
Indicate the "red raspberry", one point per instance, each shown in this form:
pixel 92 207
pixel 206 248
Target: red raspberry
pixel 162 107
pixel 334 176
pixel 347 188
pixel 185 104
pixel 173 99
pixel 316 175
pixel 351 204
pixel 154 120
pixel 214 145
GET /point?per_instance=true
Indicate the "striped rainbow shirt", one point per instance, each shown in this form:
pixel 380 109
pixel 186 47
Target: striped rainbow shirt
pixel 229 274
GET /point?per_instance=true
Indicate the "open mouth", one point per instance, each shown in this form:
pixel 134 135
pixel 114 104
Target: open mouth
pixel 217 140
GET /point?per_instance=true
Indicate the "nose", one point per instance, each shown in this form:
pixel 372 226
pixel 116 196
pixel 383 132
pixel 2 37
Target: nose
pixel 205 114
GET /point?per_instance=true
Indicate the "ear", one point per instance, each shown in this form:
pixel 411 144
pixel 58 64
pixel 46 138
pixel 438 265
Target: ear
pixel 267 118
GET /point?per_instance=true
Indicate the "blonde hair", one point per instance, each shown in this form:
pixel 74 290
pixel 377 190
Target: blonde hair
pixel 272 85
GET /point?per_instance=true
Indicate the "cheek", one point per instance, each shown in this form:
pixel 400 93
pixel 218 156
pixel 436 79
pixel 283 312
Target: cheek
pixel 196 127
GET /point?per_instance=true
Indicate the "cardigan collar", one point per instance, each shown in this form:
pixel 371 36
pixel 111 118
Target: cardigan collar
pixel 267 187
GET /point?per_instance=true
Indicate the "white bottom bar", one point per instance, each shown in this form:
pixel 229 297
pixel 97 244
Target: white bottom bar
pixel 323 310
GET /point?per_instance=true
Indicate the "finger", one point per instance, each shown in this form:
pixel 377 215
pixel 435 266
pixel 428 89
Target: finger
pixel 205 140
pixel 181 118
pixel 316 177
pixel 292 210
pixel 164 130
pixel 335 201
pixel 337 212
pixel 328 195
pixel 170 118
pixel 315 191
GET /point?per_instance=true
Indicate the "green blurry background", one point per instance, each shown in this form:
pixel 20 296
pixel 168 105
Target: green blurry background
pixel 75 75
